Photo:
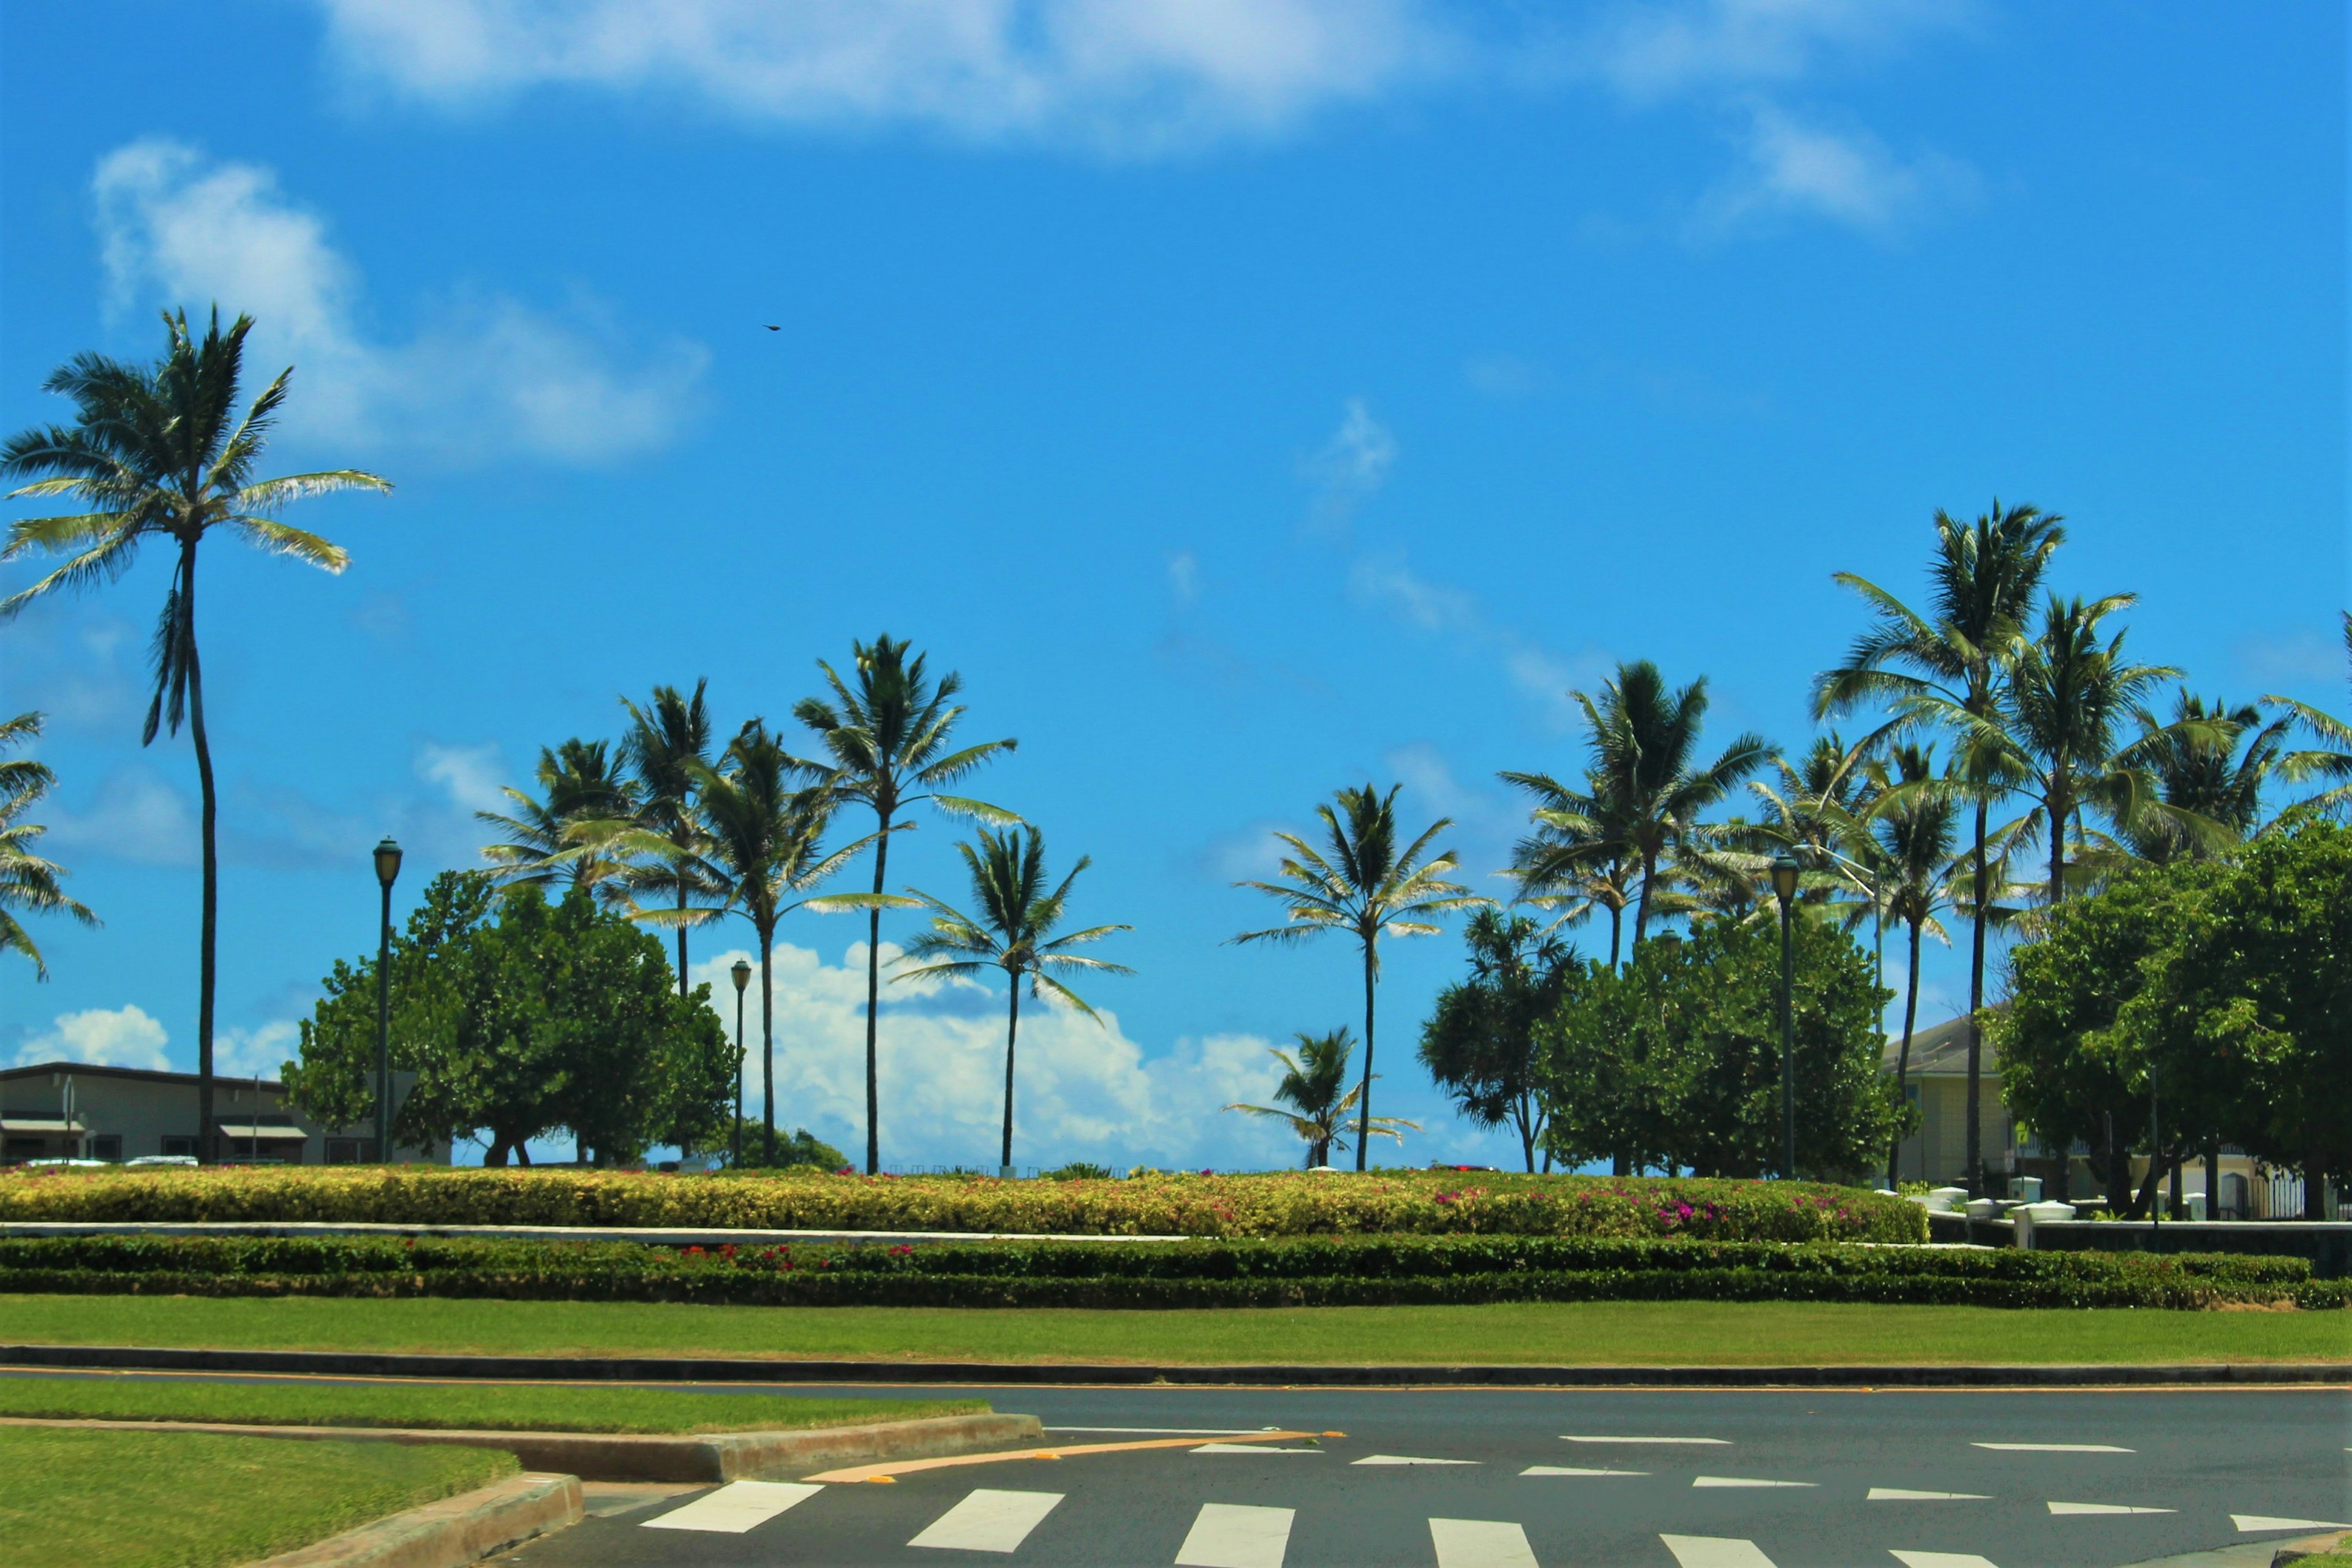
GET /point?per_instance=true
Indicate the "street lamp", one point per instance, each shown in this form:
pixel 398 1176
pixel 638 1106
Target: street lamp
pixel 742 972
pixel 388 871
pixel 1784 889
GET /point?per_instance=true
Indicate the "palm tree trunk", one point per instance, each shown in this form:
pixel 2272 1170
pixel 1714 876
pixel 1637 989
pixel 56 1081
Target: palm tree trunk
pixel 1012 1033
pixel 768 1038
pixel 1364 1101
pixel 1641 913
pixel 1616 925
pixel 1974 1164
pixel 681 942
pixel 873 1001
pixel 2057 845
pixel 208 811
pixel 1903 1058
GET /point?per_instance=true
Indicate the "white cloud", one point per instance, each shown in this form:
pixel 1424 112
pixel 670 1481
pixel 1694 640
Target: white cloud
pixel 1790 168
pixel 1386 582
pixel 488 375
pixel 242 1053
pixel 136 816
pixel 1352 465
pixel 1653 51
pixel 1126 76
pixel 1083 1092
pixel 471 775
pixel 1183 577
pixel 123 1037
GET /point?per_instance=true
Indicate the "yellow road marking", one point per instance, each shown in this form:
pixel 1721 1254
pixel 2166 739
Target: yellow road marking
pixel 905 1467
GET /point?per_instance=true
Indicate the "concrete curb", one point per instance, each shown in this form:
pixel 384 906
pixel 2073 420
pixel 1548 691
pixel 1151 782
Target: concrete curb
pixel 684 1369
pixel 449 1533
pixel 611 1457
pixel 2271 1553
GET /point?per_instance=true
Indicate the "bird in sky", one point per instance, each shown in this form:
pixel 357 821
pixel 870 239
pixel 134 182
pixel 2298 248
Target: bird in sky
pixel 774 328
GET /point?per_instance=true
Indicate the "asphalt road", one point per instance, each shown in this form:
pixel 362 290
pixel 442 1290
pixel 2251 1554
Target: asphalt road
pixel 1750 1479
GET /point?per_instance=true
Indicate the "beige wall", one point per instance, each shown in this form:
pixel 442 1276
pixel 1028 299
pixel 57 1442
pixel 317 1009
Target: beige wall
pixel 1937 1153
pixel 142 1113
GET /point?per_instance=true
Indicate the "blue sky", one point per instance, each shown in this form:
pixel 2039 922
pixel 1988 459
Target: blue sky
pixel 1247 399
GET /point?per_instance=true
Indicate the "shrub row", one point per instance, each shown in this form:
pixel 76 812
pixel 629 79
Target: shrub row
pixel 1188 1274
pixel 1293 1203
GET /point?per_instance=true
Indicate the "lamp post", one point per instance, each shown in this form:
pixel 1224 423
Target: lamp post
pixel 388 871
pixel 742 973
pixel 1784 889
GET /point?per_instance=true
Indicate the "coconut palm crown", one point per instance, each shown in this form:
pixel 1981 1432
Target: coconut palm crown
pixel 27 882
pixel 1317 1105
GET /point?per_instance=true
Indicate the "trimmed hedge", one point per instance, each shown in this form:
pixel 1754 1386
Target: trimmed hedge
pixel 1296 1272
pixel 1291 1203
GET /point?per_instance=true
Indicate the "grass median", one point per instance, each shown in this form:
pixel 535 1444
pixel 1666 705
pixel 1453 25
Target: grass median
pixel 194 1499
pixel 500 1407
pixel 1587 1333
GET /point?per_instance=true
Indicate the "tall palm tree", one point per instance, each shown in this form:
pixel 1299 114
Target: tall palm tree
pixel 2209 766
pixel 1365 885
pixel 1578 859
pixel 1643 740
pixel 163 454
pixel 886 736
pixel 765 844
pixel 27 882
pixel 565 838
pixel 1957 657
pixel 2331 760
pixel 1013 932
pixel 667 740
pixel 1319 1105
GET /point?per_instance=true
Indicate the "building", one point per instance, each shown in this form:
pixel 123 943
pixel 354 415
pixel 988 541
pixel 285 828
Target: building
pixel 72 1111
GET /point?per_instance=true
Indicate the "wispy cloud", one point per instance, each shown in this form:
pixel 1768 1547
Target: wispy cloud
pixel 1387 582
pixel 471 776
pixel 1790 168
pixel 1655 50
pixel 488 377
pixel 1351 466
pixel 1122 75
pixel 1505 377
pixel 135 815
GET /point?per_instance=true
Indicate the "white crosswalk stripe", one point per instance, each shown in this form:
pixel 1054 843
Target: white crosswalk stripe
pixel 1574 1471
pixel 735 1507
pixel 989 1521
pixel 2054 1448
pixel 1940 1560
pixel 1899 1494
pixel 1248 1449
pixel 2103 1508
pixel 1715 1442
pixel 1480 1544
pixel 1715 1551
pixel 1744 1481
pixel 2271 1521
pixel 1228 1535
pixel 1408 1460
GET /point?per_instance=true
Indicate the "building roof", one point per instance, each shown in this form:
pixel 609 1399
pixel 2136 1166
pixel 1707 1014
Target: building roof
pixel 143 1075
pixel 1941 1050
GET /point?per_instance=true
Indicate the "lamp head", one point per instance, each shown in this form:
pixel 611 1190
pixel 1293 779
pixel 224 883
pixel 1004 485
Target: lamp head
pixel 742 972
pixel 387 862
pixel 1784 878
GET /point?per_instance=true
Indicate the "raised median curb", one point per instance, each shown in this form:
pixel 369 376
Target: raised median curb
pixel 699 1456
pixel 711 1369
pixel 452 1532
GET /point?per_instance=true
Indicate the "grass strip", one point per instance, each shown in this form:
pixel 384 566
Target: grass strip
pixel 195 1500
pixel 497 1407
pixel 1587 1333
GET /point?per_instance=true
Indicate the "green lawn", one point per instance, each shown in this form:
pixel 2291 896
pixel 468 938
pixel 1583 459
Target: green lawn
pixel 1588 1334
pixel 525 1407
pixel 158 1500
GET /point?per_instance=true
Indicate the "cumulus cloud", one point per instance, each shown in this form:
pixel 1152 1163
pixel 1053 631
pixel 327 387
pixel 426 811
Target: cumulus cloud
pixel 1791 168
pixel 1084 1090
pixel 486 376
pixel 469 776
pixel 1351 466
pixel 1125 76
pixel 122 1037
pixel 242 1053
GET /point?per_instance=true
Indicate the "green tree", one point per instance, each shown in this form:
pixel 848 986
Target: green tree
pixel 2329 761
pixel 1013 932
pixel 803 1149
pixel 564 837
pixel 666 741
pixel 886 735
pixel 1365 885
pixel 1479 1043
pixel 1956 658
pixel 1577 856
pixel 163 454
pixel 1313 1088
pixel 27 882
pixel 2210 766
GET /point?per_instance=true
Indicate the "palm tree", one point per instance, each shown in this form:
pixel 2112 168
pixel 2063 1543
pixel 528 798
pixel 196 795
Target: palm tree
pixel 567 838
pixel 162 453
pixel 1647 784
pixel 1365 885
pixel 1319 1110
pixel 1981 583
pixel 2209 766
pixel 2331 760
pixel 667 740
pixel 1577 859
pixel 765 844
pixel 1013 932
pixel 886 738
pixel 27 882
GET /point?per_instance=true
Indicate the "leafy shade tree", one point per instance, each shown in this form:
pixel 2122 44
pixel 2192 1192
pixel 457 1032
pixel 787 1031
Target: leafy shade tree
pixel 1315 1100
pixel 1013 932
pixel 1955 659
pixel 1479 1044
pixel 765 842
pixel 163 453
pixel 519 1017
pixel 1676 1060
pixel 564 837
pixel 27 882
pixel 804 1149
pixel 2329 761
pixel 887 733
pixel 1365 885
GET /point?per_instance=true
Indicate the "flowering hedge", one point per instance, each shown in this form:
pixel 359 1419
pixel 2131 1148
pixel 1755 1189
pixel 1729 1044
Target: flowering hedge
pixel 1296 1202
pixel 1289 1272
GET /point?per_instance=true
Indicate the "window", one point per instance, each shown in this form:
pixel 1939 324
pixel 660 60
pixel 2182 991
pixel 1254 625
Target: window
pixel 351 1151
pixel 106 1146
pixel 179 1143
